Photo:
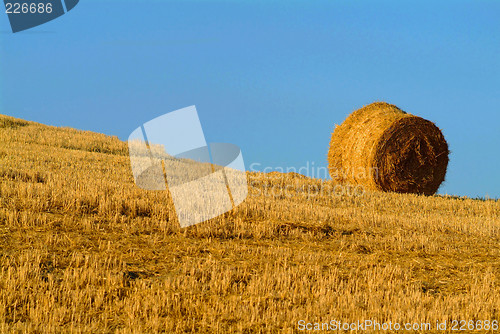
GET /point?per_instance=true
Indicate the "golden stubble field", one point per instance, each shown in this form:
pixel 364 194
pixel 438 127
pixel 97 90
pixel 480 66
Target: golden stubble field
pixel 84 250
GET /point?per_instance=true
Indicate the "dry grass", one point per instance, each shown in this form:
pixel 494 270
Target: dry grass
pixel 84 250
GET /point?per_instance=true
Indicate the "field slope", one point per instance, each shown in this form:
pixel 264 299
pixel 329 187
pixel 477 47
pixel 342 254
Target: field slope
pixel 83 249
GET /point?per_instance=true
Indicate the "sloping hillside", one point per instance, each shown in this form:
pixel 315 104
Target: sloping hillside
pixel 83 249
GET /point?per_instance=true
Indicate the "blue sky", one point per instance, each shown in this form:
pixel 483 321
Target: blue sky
pixel 270 76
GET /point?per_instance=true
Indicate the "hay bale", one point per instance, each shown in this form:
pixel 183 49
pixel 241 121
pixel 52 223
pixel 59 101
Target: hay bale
pixel 381 147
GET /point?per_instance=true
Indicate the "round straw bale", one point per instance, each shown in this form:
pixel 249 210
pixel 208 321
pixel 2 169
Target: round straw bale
pixel 381 147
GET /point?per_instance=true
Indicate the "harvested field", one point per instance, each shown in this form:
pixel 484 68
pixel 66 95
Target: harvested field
pixel 82 249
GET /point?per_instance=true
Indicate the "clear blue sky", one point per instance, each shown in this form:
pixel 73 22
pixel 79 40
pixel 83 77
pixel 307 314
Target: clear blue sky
pixel 270 76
